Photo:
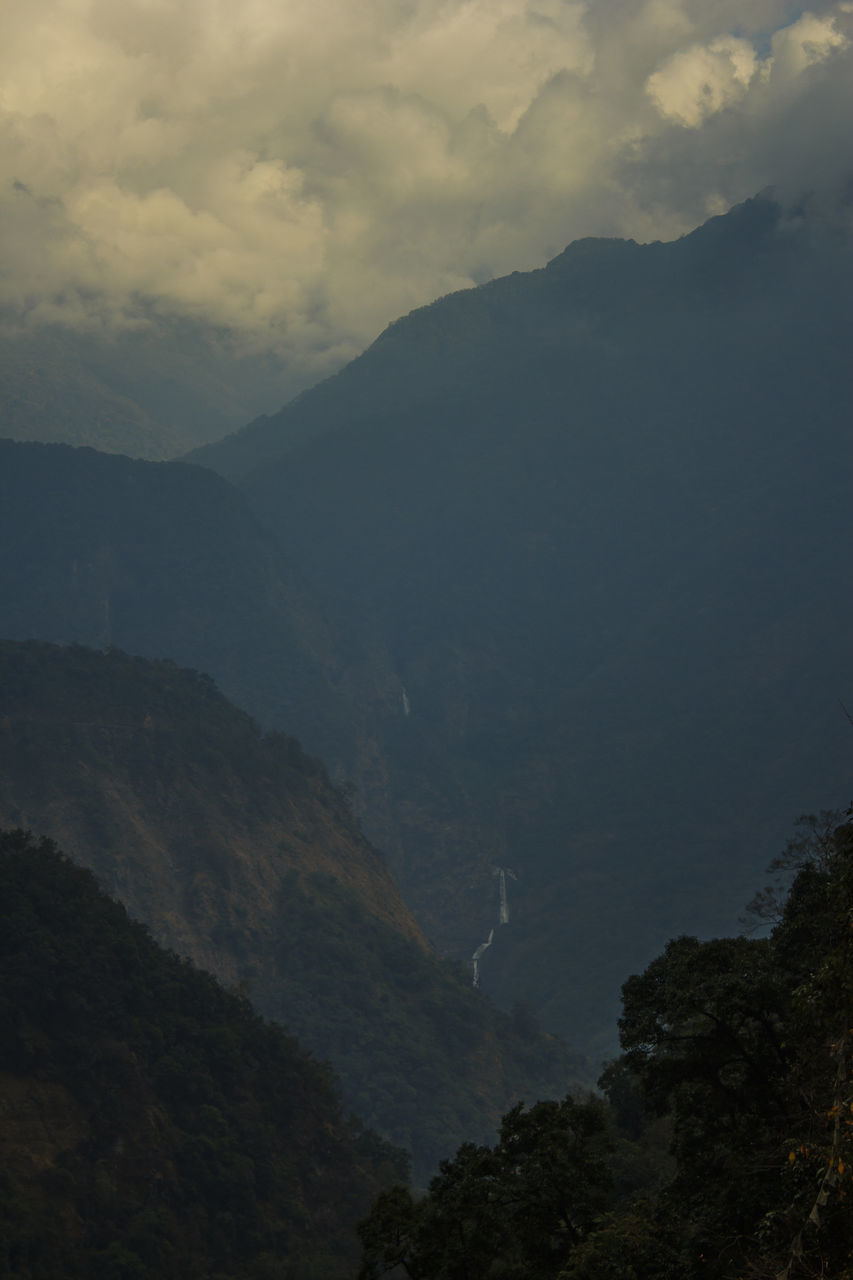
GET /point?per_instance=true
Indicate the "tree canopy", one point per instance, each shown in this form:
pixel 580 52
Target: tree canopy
pixel 738 1049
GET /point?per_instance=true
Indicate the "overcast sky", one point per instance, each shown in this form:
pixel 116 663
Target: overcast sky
pixel 304 171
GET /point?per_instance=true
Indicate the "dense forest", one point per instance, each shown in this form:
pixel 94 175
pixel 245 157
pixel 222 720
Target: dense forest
pixel 526 575
pixel 153 1125
pixel 723 1146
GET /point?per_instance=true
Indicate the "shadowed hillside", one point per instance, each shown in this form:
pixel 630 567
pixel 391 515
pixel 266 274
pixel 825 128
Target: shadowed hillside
pixel 153 1124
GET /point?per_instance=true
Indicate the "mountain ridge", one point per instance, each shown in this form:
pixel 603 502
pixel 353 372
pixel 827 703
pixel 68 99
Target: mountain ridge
pixel 592 267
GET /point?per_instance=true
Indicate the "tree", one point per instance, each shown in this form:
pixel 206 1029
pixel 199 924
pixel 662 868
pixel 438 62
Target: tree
pixel 746 1042
pixel 515 1210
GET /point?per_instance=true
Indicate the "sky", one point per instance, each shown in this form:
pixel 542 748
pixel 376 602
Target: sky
pixel 301 172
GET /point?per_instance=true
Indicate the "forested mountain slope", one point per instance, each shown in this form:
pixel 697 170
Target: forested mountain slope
pixel 235 850
pixel 596 516
pixel 152 1124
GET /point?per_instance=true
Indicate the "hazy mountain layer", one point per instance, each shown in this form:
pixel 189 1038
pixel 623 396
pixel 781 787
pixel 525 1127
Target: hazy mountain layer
pixel 236 851
pixel 597 517
pixel 151 392
pixel 168 561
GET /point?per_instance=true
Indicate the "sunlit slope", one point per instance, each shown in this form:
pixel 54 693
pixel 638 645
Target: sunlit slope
pixel 598 517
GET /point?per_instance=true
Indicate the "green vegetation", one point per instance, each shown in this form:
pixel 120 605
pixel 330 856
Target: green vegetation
pixel 516 1210
pixel 738 1048
pixel 153 1125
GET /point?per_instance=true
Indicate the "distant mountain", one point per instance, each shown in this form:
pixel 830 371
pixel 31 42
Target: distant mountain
pixel 236 851
pixel 168 561
pixel 153 1125
pixel 613 302
pixel 597 518
pixel 151 392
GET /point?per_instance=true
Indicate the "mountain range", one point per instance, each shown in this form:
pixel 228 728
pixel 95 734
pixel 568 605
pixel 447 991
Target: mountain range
pixel 553 577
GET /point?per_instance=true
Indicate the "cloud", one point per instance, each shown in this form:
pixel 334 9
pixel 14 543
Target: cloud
pixel 697 82
pixel 302 171
pixel 809 40
pixel 701 80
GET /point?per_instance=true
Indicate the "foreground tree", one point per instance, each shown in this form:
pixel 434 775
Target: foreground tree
pixel 515 1211
pixel 745 1043
pixel 739 1050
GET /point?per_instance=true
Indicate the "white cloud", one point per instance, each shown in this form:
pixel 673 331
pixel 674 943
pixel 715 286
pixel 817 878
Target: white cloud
pixel 699 81
pixel 703 79
pixel 809 40
pixel 305 170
